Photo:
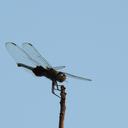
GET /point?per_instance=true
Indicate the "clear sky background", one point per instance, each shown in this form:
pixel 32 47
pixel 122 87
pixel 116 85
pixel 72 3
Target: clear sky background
pixel 90 38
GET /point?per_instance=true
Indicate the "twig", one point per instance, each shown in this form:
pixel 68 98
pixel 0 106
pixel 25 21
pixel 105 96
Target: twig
pixel 62 107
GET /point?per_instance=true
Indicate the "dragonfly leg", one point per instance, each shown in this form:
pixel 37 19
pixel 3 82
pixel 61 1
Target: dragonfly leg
pixel 58 87
pixel 53 88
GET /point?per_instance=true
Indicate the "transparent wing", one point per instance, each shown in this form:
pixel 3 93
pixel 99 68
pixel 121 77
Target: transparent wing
pixel 19 55
pixel 77 77
pixel 59 67
pixel 31 50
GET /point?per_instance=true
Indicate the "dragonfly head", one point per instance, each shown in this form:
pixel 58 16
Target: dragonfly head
pixel 61 77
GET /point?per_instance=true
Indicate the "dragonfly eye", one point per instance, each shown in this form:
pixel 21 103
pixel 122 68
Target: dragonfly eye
pixel 61 77
pixel 61 74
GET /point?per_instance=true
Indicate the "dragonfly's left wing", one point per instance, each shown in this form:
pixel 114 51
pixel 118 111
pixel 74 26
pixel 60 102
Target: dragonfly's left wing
pixel 77 77
pixel 19 55
pixel 31 50
pixel 59 67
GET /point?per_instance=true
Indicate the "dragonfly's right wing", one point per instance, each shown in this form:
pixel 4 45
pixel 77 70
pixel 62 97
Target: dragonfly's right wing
pixel 31 50
pixel 77 77
pixel 19 55
pixel 59 67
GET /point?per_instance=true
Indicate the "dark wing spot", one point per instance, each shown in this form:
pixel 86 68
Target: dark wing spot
pixel 30 44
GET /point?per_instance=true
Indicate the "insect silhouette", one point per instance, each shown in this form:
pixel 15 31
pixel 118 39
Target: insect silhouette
pixel 28 57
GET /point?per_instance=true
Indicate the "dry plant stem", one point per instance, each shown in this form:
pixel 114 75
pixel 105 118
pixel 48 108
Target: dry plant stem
pixel 62 107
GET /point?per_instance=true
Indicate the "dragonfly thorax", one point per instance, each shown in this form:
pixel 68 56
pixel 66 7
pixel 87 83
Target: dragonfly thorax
pixel 39 71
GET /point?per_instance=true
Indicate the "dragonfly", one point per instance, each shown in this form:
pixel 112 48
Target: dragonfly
pixel 28 57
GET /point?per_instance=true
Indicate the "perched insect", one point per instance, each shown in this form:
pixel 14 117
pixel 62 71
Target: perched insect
pixel 28 57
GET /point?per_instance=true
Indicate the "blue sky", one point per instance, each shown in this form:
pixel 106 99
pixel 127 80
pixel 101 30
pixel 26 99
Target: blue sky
pixel 90 39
